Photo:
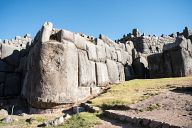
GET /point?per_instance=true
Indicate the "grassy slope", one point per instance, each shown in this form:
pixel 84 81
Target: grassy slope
pixel 133 91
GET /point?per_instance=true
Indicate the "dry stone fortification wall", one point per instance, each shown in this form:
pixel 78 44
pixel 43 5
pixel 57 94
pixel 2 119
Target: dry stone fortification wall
pixel 66 68
pixel 11 52
pixel 61 68
pixel 165 56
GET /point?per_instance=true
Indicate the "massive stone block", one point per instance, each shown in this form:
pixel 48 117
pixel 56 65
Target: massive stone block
pixel 80 42
pixel 101 54
pixel 129 73
pixel 46 32
pixel 102 74
pixel 66 35
pixel 53 74
pixel 91 50
pixel 113 71
pixel 86 71
pixel 10 54
pixel 121 72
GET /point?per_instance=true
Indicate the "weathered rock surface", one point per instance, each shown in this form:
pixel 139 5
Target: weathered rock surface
pixel 60 67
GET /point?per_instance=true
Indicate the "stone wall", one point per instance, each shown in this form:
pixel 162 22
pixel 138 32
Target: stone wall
pixel 11 61
pixel 66 68
pixel 164 56
pixel 61 68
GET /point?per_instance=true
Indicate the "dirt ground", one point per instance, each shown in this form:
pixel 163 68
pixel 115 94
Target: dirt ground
pixel 173 106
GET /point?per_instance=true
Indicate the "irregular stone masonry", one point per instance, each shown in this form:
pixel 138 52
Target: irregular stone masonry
pixel 11 64
pixel 59 67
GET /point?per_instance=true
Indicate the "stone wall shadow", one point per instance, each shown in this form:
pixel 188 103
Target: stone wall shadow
pixel 185 90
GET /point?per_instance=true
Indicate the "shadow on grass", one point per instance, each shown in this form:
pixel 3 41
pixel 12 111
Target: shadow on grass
pixel 186 90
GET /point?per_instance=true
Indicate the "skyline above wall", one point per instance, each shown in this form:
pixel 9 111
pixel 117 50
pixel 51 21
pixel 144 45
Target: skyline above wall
pixel 111 18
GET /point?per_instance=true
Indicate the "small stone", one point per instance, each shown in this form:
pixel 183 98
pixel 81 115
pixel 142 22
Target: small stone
pixel 3 112
pixel 67 116
pixel 23 114
pixel 60 120
pixel 7 119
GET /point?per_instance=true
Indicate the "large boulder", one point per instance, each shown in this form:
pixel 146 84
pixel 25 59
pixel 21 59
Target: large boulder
pixel 52 76
pixel 66 35
pixel 80 42
pixel 46 32
pixel 91 50
pixel 113 71
pixel 86 71
pixel 101 54
pixel 102 74
pixel 121 72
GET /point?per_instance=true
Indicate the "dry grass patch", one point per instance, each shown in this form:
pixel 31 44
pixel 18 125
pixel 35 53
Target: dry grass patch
pixel 133 91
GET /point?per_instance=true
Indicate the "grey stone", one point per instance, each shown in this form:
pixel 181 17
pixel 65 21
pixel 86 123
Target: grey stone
pixel 82 94
pixel 7 120
pixel 46 31
pixel 3 112
pixel 66 35
pixel 86 70
pixel 91 50
pixel 113 53
pixel 101 54
pixel 53 74
pixel 129 73
pixel 121 72
pixel 102 74
pixel 95 90
pixel 107 51
pixel 140 66
pixel 9 52
pixel 119 56
pixel 113 71
pixel 80 42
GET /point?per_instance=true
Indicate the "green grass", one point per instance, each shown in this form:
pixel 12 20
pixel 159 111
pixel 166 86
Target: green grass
pixel 81 120
pixel 133 91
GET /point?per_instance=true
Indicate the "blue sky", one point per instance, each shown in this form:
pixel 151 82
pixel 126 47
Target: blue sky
pixel 92 17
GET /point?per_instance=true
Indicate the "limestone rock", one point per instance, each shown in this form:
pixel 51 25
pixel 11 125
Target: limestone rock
pixel 86 70
pixel 3 112
pixel 66 35
pixel 101 54
pixel 102 74
pixel 113 71
pixel 121 72
pixel 91 50
pixel 46 31
pixel 53 74
pixel 80 42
